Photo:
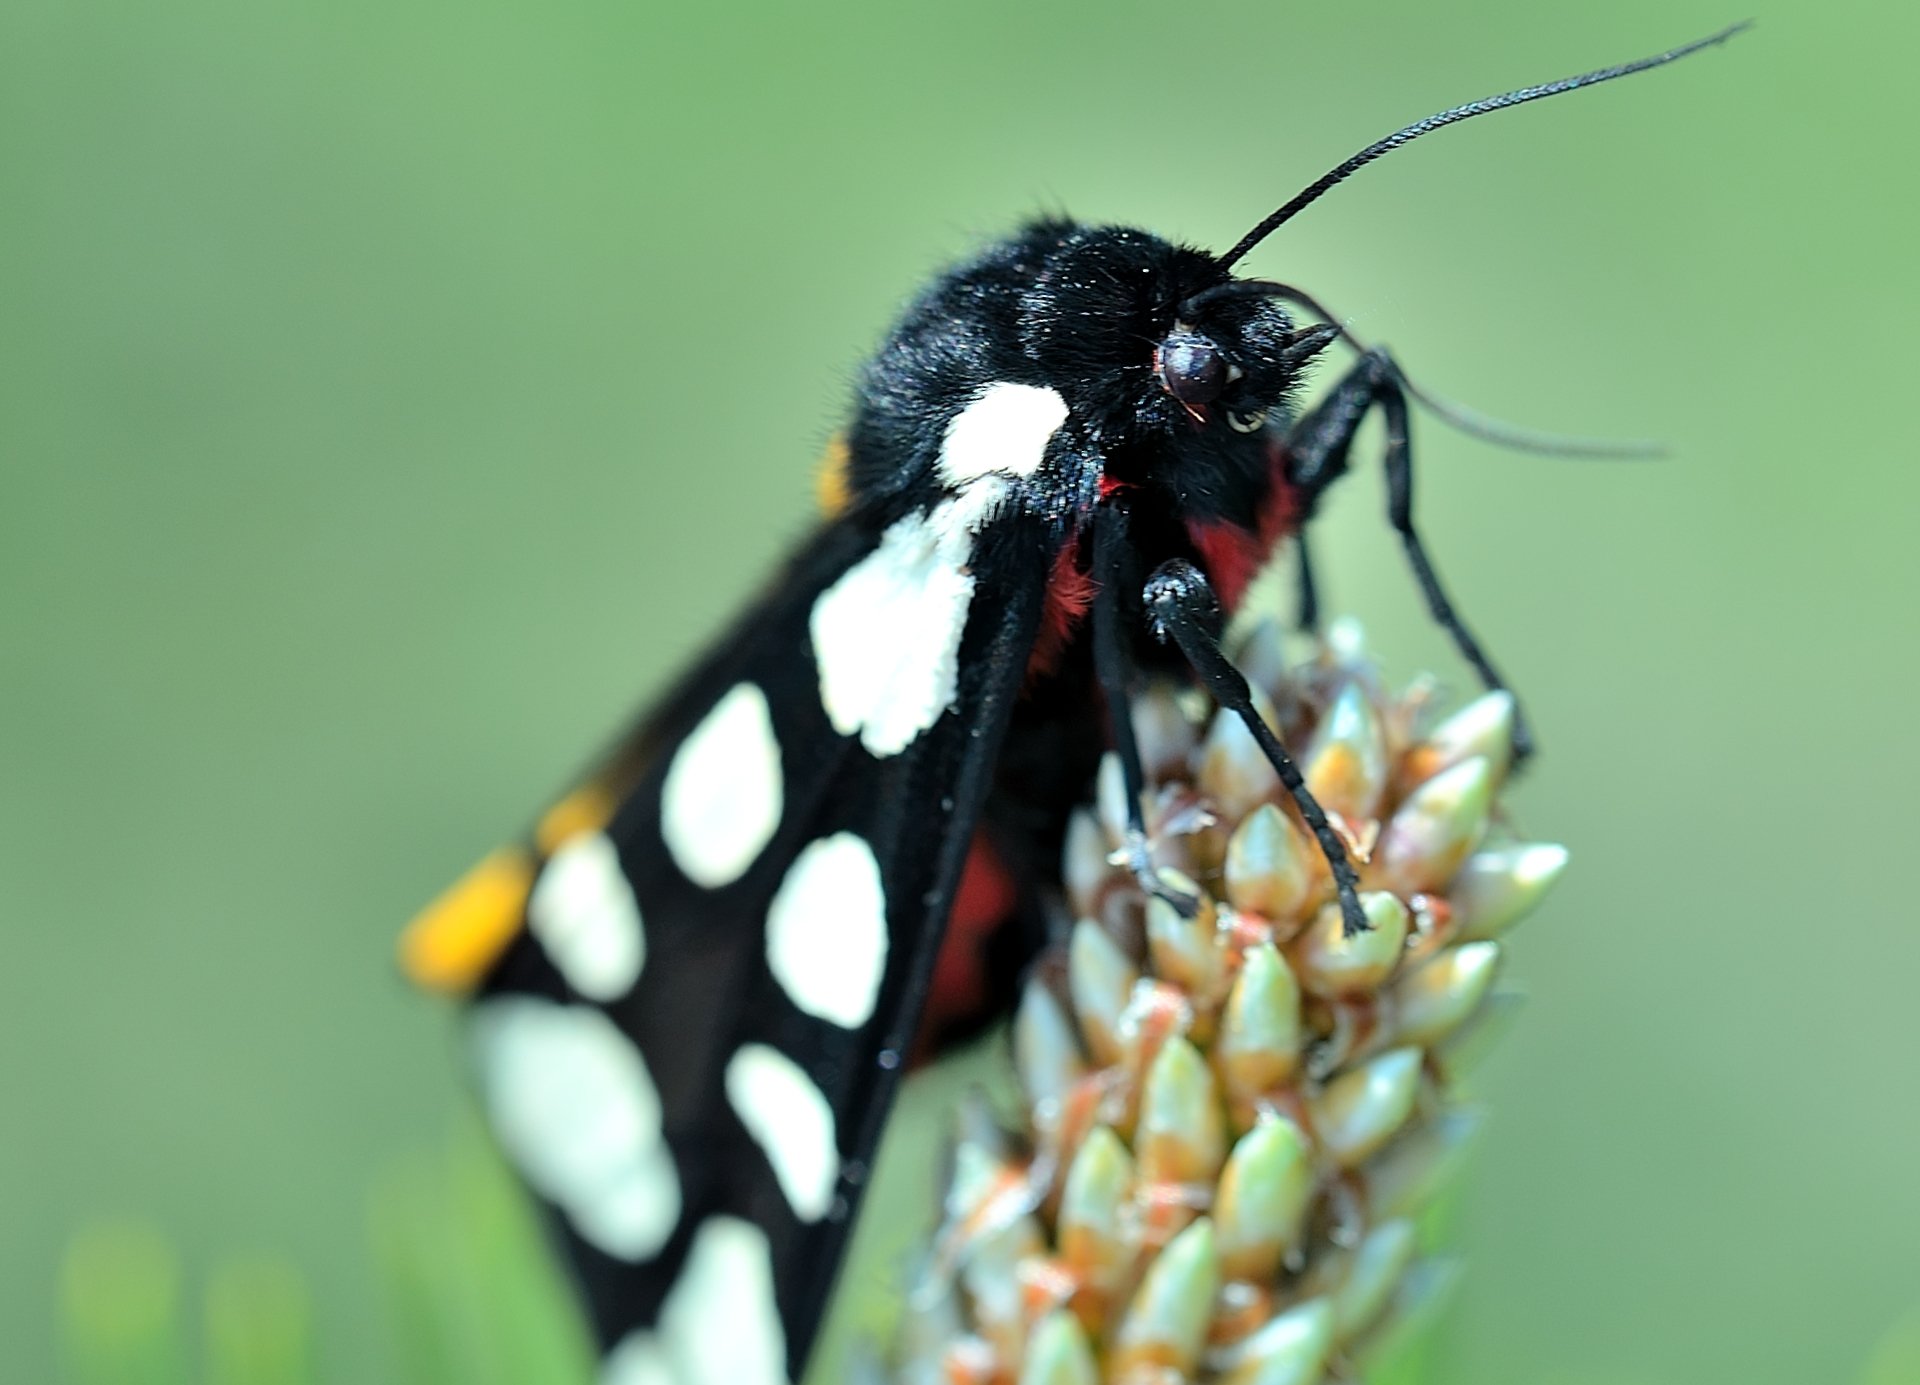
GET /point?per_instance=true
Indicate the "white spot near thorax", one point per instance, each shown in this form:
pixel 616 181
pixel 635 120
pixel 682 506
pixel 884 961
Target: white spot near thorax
pixel 573 1106
pixel 886 636
pixel 719 1324
pixel 790 1119
pixel 584 914
pixel 720 803
pixel 1005 429
pixel 827 930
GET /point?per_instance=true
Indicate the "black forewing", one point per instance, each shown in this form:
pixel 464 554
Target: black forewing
pixel 706 988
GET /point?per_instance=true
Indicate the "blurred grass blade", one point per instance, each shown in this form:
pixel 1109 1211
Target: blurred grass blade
pixel 472 1295
pixel 120 1308
pixel 1896 1361
pixel 259 1325
pixel 533 1321
pixel 409 1255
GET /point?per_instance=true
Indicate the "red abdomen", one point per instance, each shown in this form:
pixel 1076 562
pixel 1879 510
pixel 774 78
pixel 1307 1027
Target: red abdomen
pixel 1233 555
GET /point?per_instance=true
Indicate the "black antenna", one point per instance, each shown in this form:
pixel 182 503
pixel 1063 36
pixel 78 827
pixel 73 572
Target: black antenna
pixel 1484 106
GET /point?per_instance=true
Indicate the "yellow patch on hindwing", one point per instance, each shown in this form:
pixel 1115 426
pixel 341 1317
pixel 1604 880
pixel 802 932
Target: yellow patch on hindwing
pixel 453 942
pixel 831 490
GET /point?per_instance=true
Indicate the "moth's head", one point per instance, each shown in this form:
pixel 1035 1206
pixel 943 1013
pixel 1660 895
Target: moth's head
pixel 1233 353
pixel 1152 342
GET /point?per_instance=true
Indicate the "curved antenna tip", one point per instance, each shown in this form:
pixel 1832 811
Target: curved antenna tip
pixel 1485 106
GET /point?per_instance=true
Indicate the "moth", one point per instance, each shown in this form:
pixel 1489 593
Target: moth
pixel 695 984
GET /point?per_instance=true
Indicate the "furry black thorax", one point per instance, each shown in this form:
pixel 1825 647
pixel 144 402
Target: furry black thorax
pixel 1084 310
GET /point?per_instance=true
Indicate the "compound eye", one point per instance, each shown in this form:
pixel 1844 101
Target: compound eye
pixel 1191 368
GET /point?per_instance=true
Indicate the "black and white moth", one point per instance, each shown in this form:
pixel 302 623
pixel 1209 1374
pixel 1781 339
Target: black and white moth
pixel 696 983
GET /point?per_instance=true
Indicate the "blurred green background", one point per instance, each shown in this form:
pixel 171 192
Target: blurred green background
pixel 393 394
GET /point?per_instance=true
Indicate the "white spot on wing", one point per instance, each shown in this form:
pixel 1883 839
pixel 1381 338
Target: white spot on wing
pixel 637 1360
pixel 886 636
pixel 1005 429
pixel 632 1214
pixel 719 1324
pixel 827 930
pixel 571 1103
pixel 585 916
pixel 789 1118
pixel 720 803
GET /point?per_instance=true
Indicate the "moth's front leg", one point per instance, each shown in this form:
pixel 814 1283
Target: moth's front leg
pixel 1113 666
pixel 1182 607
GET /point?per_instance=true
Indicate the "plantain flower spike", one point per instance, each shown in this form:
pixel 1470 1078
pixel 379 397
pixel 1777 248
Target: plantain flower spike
pixel 1231 1123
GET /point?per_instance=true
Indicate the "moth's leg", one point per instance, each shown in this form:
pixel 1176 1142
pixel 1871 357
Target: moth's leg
pixel 1306 611
pixel 1318 442
pixel 1317 447
pixel 1113 666
pixel 1181 605
pixel 1399 461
